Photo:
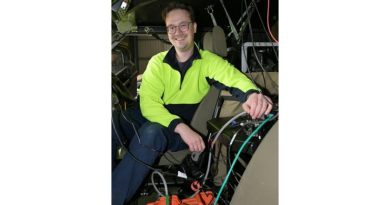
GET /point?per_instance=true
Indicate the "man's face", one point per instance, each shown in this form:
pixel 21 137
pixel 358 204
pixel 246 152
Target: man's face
pixel 182 40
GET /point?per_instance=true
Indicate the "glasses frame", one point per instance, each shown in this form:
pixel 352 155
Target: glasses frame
pixel 179 26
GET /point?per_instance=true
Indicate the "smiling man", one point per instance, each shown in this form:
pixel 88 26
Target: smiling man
pixel 181 28
pixel 173 85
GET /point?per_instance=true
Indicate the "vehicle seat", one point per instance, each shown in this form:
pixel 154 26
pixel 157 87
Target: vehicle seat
pixel 199 123
pixel 259 183
pixel 215 42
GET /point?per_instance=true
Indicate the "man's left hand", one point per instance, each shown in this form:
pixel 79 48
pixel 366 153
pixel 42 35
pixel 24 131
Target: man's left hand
pixel 256 105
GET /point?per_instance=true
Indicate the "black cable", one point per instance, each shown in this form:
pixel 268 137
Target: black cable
pixel 253 47
pixel 172 158
pixel 242 43
pixel 229 158
pixel 128 152
pixel 160 39
pixel 212 176
pixel 257 58
pixel 275 116
pixel 230 165
pixel 265 84
pixel 266 32
pixel 225 163
pixel 250 74
pixel 223 200
pixel 216 161
pixel 262 73
pixel 253 81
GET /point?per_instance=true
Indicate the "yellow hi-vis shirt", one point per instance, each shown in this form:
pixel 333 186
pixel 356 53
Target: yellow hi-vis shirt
pixel 169 98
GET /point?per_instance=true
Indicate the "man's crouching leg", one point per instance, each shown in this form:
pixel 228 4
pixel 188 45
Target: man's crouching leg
pixel 129 174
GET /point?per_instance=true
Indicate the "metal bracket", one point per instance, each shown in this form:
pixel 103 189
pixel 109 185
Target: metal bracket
pixel 210 11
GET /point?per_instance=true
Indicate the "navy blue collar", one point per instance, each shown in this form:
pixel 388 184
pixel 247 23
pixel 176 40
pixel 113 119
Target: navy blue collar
pixel 170 58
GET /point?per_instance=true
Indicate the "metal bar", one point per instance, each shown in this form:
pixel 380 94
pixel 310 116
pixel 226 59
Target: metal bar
pixel 249 7
pixel 242 29
pixel 135 52
pixel 230 22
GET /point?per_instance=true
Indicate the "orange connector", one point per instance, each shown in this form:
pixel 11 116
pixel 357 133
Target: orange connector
pixel 199 199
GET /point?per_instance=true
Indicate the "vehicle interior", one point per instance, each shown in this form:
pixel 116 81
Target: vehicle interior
pixel 240 163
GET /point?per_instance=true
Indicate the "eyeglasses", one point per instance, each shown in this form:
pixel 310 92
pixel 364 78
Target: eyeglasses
pixel 184 26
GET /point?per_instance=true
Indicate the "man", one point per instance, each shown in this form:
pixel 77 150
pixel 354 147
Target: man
pixel 173 85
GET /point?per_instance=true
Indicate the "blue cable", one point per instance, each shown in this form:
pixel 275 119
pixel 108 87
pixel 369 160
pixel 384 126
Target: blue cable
pixel 238 154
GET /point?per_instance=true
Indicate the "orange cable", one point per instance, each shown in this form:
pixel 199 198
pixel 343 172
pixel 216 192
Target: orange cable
pixel 268 24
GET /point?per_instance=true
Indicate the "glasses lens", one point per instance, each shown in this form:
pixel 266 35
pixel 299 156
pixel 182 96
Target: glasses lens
pixel 184 26
pixel 171 29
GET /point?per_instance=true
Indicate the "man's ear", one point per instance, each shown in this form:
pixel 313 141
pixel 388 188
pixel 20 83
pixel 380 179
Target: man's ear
pixel 195 26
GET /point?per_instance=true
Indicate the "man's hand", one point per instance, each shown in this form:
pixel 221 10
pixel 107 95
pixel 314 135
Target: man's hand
pixel 256 105
pixel 191 138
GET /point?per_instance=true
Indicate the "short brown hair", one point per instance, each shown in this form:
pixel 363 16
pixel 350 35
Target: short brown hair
pixel 177 5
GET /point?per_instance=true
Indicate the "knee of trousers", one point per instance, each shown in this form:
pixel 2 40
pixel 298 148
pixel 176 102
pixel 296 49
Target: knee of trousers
pixel 153 135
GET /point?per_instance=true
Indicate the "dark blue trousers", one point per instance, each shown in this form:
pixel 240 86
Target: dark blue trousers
pixel 128 175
